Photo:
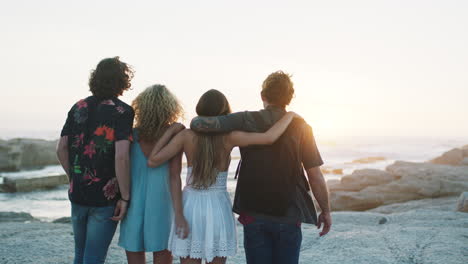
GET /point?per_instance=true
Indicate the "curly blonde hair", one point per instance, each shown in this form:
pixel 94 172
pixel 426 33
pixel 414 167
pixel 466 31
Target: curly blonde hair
pixel 156 108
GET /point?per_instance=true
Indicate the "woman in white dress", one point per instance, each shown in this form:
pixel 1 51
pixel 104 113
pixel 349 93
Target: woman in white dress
pixel 204 227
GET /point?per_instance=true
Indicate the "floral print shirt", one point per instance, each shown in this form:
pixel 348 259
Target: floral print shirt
pixel 93 126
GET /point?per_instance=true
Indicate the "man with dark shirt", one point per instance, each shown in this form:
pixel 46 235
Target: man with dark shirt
pixel 272 195
pixel 94 152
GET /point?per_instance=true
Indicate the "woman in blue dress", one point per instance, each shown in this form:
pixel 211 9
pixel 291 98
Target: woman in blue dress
pixel 147 225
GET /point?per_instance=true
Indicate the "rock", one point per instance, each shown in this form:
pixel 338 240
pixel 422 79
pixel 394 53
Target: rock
pixel 462 205
pixel 354 201
pixel 412 181
pixel 369 160
pixel 431 180
pixel 3 188
pixel 26 184
pixel 451 157
pixel 336 185
pixel 23 153
pixel 62 220
pixel 464 162
pixel 465 151
pixel 361 179
pixel 436 204
pixel 383 220
pixel 15 217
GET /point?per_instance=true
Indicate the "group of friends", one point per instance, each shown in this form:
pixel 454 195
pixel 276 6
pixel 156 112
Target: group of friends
pixel 124 165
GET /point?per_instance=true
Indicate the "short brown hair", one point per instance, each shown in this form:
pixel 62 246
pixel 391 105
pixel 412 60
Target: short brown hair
pixel 110 78
pixel 278 89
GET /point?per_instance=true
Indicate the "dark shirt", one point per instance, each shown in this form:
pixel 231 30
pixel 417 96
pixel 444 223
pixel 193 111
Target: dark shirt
pixel 93 126
pixel 300 207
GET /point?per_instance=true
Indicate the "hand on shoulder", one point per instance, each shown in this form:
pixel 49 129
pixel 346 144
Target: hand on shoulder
pixel 294 115
pixel 177 127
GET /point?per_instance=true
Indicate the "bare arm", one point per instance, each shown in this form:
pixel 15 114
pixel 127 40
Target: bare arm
pixel 62 155
pixel 168 135
pixel 320 191
pixel 175 168
pixel 175 146
pixel 122 172
pixel 242 139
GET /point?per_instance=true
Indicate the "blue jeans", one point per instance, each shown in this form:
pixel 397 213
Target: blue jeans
pixel 267 242
pixel 93 231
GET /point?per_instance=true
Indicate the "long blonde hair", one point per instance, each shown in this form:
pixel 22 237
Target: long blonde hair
pixel 155 109
pixel 209 148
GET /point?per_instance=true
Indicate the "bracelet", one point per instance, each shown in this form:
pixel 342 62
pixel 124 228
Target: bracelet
pixel 127 201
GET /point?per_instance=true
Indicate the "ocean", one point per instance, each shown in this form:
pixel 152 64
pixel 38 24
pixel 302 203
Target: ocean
pixel 337 155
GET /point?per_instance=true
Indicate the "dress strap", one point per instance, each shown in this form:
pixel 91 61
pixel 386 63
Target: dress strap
pixel 135 134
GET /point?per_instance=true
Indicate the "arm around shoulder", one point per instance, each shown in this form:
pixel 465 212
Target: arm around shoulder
pixel 243 139
pixel 175 146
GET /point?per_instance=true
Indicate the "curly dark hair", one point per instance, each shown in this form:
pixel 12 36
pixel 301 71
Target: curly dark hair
pixel 110 78
pixel 278 89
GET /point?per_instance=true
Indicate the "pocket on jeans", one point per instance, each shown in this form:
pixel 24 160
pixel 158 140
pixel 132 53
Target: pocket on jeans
pixel 254 236
pixel 291 234
pixel 103 214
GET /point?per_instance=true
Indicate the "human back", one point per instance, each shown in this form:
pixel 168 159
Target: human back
pixel 94 152
pixel 147 225
pixel 206 208
pixel 209 154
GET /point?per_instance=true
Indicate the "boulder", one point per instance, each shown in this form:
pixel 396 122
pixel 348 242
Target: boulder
pixel 15 217
pixel 412 181
pixel 462 205
pixel 361 179
pixel 436 204
pixel 62 220
pixel 465 151
pixel 336 185
pixel 405 169
pixel 354 201
pixel 26 184
pixel 23 153
pixel 451 157
pixel 464 162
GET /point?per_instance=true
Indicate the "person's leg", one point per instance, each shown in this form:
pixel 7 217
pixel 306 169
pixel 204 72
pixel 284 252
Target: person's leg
pixel 162 257
pixel 79 217
pixel 99 234
pixel 258 243
pixel 135 257
pixel 190 261
pixel 287 246
pixel 218 260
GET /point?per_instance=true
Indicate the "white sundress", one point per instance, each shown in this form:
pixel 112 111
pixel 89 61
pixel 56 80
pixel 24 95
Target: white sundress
pixel 211 221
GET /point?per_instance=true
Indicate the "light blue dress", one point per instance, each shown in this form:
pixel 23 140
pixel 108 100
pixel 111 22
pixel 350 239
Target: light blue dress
pixel 147 224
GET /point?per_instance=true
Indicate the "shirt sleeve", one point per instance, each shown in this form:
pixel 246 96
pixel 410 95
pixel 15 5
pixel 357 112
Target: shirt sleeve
pixel 236 121
pixel 68 126
pixel 124 126
pixel 310 153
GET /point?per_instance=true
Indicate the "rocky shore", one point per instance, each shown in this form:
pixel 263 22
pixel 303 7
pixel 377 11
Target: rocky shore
pixel 430 231
pixel 26 153
pixel 408 213
pixel 400 182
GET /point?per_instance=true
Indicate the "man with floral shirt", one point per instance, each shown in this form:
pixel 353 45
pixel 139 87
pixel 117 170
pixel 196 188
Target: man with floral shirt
pixel 94 152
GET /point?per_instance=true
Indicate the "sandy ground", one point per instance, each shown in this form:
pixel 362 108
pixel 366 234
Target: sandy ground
pixel 432 234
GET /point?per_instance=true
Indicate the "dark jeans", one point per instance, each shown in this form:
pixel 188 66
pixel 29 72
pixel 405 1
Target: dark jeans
pixel 267 242
pixel 93 231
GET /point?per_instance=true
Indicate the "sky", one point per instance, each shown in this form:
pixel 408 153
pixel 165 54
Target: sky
pixel 360 68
